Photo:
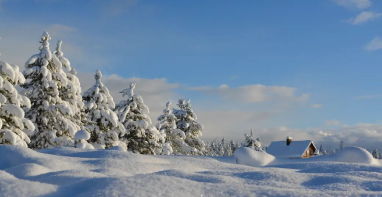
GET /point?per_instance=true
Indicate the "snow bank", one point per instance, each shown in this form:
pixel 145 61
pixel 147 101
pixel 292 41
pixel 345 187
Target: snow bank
pixel 349 155
pixel 76 172
pixel 251 157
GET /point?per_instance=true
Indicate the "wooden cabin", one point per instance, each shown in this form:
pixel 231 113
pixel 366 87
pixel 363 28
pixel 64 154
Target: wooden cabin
pixel 292 149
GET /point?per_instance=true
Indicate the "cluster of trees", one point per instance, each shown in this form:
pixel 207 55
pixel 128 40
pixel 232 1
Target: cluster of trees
pixel 50 111
pixel 223 148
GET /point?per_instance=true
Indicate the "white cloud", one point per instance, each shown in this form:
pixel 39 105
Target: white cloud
pixel 254 93
pixel 332 123
pixel 375 44
pixel 351 4
pixel 364 17
pixel 316 106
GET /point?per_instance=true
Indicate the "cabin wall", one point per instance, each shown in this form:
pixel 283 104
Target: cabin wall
pixel 309 152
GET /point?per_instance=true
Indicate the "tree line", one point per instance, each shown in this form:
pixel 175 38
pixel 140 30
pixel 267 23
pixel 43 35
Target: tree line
pixel 50 110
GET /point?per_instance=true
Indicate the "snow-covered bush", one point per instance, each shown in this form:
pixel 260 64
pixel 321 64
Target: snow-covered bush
pixel 81 138
pixel 186 121
pixel 174 137
pixel 140 136
pixel 50 114
pixel 104 127
pixel 14 128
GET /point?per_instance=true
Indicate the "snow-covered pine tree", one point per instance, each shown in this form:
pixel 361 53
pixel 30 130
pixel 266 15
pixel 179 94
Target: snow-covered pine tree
pixel 222 148
pixel 186 121
pixel 48 112
pixel 174 137
pixel 140 136
pixel 251 142
pixel 375 154
pixel 104 125
pixel 232 147
pixel 342 146
pixel 14 128
pixel 72 93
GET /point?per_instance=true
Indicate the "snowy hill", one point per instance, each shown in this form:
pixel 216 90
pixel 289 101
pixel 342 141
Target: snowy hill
pixel 75 172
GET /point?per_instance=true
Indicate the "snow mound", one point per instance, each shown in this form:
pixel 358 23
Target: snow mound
pixel 350 155
pixel 81 135
pixel 250 157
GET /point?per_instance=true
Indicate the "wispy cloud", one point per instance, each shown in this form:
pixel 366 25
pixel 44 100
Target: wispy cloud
pixel 367 97
pixel 331 123
pixel 254 93
pixel 354 4
pixel 316 106
pixel 375 44
pixel 363 17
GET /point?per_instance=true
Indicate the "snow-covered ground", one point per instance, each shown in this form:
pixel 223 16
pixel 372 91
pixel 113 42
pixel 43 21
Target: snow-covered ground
pixel 76 172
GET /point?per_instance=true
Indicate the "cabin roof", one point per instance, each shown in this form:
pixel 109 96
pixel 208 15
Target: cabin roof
pixel 295 149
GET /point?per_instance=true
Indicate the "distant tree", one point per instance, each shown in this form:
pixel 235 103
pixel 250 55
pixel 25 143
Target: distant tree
pixel 342 146
pixel 173 136
pixel 251 142
pixel 322 150
pixel 375 154
pixel 232 148
pixel 141 137
pixel 222 148
pixel 186 121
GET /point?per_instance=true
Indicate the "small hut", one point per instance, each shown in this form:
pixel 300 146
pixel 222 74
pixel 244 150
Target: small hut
pixel 292 149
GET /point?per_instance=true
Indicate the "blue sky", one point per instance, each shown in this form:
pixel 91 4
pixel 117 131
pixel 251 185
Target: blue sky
pixel 318 62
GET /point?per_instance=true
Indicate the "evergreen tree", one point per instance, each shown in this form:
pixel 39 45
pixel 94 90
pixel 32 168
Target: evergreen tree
pixel 222 148
pixel 174 137
pixel 232 147
pixel 342 146
pixel 72 93
pixel 48 111
pixel 322 150
pixel 375 154
pixel 104 125
pixel 140 136
pixel 14 128
pixel 251 142
pixel 186 121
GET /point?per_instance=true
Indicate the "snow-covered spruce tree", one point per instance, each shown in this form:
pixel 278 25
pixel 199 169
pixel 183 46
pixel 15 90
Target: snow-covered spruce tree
pixel 72 93
pixel 44 79
pixel 140 136
pixel 375 154
pixel 233 147
pixel 14 128
pixel 186 121
pixel 251 142
pixel 174 137
pixel 222 148
pixel 342 146
pixel 104 125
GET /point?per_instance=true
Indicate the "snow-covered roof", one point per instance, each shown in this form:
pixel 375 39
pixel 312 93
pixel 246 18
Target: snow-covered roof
pixel 295 149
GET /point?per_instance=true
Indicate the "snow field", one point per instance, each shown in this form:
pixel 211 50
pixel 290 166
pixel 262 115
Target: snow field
pixel 76 172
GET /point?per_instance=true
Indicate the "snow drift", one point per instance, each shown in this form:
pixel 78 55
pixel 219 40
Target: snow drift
pixel 349 155
pixel 77 172
pixel 251 157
